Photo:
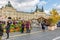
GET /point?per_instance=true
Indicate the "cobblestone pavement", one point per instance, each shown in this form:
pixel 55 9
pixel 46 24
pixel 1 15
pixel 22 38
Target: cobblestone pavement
pixel 36 34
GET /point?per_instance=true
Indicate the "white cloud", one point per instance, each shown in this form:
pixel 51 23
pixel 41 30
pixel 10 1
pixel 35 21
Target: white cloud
pixel 2 3
pixel 58 7
pixel 42 3
pixel 55 4
pixel 20 4
pixel 47 11
pixel 25 5
pixel 21 1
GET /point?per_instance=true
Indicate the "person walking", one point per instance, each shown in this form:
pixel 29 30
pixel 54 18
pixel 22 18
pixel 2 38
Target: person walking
pixel 22 26
pixel 43 25
pixel 1 30
pixel 27 27
pixel 8 28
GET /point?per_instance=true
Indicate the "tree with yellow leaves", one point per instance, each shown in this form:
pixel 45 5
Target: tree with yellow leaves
pixel 54 12
pixel 54 16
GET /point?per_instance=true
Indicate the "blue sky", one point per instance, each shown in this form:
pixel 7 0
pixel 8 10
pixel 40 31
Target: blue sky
pixel 50 4
pixel 30 5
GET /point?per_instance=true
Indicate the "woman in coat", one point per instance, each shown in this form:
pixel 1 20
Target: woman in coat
pixel 8 28
pixel 27 27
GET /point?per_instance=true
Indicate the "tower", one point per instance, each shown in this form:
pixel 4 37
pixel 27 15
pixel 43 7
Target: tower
pixel 42 10
pixel 9 4
pixel 38 9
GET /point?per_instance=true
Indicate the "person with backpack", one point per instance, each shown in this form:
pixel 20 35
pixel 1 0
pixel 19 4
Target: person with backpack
pixel 1 30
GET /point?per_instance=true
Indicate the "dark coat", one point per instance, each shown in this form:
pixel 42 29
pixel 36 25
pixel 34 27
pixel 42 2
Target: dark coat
pixel 1 30
pixel 43 25
pixel 22 25
pixel 8 27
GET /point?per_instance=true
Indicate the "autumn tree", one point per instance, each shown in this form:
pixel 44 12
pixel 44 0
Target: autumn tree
pixel 54 12
pixel 54 16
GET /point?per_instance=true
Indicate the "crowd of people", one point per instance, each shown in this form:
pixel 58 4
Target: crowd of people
pixel 24 25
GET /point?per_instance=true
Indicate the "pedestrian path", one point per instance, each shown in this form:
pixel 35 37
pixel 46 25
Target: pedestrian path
pixel 18 34
pixel 15 34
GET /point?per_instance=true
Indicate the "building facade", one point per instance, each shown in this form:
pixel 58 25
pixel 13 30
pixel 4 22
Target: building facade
pixel 9 11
